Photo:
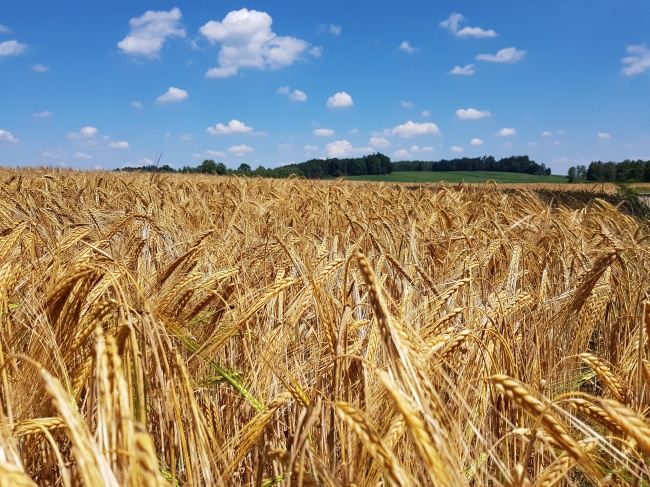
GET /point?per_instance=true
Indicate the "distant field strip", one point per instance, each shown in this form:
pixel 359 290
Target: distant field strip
pixel 459 176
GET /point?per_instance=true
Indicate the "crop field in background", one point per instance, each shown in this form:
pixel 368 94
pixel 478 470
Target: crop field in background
pixel 189 330
pixel 459 176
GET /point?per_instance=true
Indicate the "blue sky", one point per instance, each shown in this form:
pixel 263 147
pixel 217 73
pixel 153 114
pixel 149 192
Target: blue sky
pixel 109 84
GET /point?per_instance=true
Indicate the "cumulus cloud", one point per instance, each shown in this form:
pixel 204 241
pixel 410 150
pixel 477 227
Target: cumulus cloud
pixel 343 148
pixel 233 127
pixel 506 132
pixel 311 148
pixel 401 154
pixel 406 47
pixel 240 150
pixel 84 133
pixel 476 141
pixel 173 95
pixel 467 70
pixel 330 29
pixel 340 100
pixel 40 68
pixel 7 137
pixel 507 55
pixel 452 24
pixel 323 132
pixel 455 148
pixel 247 41
pixel 150 31
pixel 11 48
pixel 379 142
pixel 122 144
pixel 638 61
pixel 413 129
pixel 295 95
pixel 472 114
pixel 45 114
pixel 82 155
pixel 425 113
pixel 415 148
pixel 604 135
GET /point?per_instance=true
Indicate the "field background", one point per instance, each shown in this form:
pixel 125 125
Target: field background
pixel 459 176
pixel 192 330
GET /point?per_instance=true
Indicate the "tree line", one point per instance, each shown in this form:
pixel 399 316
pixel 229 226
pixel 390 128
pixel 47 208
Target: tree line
pixel 516 164
pixel 367 165
pixel 627 171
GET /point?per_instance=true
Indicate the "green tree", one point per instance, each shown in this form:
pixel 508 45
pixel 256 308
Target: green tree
pixel 243 167
pixel 571 176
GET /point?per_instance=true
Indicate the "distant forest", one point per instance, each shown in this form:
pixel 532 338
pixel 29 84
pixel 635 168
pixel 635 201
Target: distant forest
pixel 371 164
pixel 611 172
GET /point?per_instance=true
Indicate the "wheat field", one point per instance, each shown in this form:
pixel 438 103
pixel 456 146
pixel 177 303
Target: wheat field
pixel 186 330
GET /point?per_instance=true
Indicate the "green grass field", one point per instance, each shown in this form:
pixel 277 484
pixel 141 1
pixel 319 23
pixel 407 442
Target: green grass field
pixel 459 176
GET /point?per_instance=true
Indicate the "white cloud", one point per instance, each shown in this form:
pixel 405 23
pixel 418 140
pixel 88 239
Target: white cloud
pixel 84 133
pixel 406 104
pixel 186 137
pixel 343 148
pixel 476 141
pixel 82 155
pixel 323 132
pixel 546 133
pixel 316 51
pixel 468 70
pixel 215 153
pixel 122 144
pixel 137 104
pixel 340 100
pixel 406 47
pixel 455 148
pixel 247 41
pixel 329 29
pixel 415 148
pixel 401 154
pixel 472 114
pixel 413 129
pixel 233 127
pixel 173 95
pixel 379 142
pixel 354 132
pixel 296 95
pixel 311 148
pixel 507 55
pixel 40 68
pixel 150 31
pixel 168 135
pixel 53 154
pixel 7 137
pixel 45 114
pixel 638 61
pixel 11 48
pixel 240 150
pixel 506 132
pixel 425 113
pixel 4 29
pixel 604 135
pixel 452 24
